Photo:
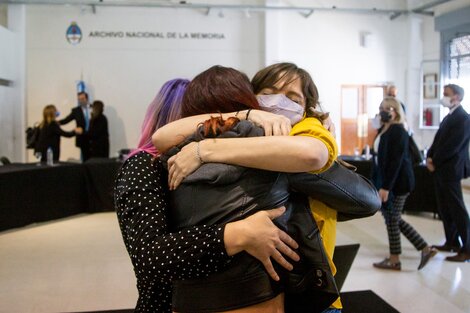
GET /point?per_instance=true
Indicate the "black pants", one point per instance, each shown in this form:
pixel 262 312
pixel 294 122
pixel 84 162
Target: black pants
pixel 453 213
pixel 85 152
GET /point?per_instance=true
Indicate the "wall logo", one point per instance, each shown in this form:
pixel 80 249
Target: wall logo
pixel 73 34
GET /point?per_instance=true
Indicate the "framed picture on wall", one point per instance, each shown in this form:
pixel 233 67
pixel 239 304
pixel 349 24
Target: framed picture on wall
pixel 430 86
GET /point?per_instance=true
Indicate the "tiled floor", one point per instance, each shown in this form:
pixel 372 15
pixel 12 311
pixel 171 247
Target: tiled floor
pixel 80 264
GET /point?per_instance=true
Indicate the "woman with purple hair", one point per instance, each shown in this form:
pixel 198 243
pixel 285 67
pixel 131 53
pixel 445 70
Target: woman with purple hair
pixel 160 254
pixel 165 108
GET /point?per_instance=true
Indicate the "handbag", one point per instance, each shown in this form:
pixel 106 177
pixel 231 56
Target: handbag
pixel 415 155
pixel 32 137
pixel 349 193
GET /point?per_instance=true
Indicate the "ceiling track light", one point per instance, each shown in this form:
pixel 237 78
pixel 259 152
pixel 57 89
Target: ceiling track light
pixel 307 14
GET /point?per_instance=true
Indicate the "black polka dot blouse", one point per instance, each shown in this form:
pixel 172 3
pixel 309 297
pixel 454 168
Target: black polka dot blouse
pixel 158 255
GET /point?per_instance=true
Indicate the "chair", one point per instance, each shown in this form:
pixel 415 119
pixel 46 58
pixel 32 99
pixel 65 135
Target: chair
pixel 123 153
pixel 4 160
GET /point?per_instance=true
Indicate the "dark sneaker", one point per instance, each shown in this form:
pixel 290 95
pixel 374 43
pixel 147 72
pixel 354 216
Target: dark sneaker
pixel 387 265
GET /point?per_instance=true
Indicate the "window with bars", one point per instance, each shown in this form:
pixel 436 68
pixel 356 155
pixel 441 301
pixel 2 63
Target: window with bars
pixel 459 58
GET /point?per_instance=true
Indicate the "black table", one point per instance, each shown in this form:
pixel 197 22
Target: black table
pixel 31 193
pixel 364 167
pixel 101 174
pixel 421 199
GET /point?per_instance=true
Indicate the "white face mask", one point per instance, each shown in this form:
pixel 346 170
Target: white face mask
pixel 445 101
pixel 376 122
pixel 280 104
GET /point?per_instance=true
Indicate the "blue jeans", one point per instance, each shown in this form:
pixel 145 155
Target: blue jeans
pixel 331 310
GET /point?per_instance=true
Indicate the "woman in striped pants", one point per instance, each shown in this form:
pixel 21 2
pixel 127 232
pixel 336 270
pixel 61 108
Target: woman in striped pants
pixel 394 178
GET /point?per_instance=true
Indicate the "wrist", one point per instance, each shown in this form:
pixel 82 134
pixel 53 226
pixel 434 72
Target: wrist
pixel 241 115
pixel 198 153
pixel 233 238
pixel 204 151
pixel 247 116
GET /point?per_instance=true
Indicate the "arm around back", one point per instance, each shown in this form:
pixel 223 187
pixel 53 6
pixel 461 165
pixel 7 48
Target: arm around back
pixel 67 119
pixel 275 153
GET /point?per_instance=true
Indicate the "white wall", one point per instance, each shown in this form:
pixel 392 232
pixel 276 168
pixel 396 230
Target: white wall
pixel 12 69
pixel 327 45
pixel 430 51
pixel 126 73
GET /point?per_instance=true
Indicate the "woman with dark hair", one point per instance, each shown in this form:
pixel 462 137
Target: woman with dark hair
pixel 98 132
pixel 158 252
pixel 222 89
pixel 50 133
pixel 232 192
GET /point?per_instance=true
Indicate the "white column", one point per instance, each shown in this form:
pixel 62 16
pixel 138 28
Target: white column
pixel 413 73
pixel 17 90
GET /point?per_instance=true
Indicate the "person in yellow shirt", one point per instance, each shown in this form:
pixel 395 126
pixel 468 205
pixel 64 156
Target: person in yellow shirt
pixel 296 84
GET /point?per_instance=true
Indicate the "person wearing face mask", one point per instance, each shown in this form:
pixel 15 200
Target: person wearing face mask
pixel 50 133
pixel 82 117
pixel 283 89
pixel 376 122
pixel 394 178
pixel 292 91
pixel 448 159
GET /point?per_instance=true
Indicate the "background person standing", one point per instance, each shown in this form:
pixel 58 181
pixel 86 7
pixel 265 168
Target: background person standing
pixel 82 115
pixel 50 133
pixel 98 133
pixel 448 159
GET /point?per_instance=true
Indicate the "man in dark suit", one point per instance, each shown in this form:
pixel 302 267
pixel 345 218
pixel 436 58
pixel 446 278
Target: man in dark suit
pixel 449 160
pixel 81 115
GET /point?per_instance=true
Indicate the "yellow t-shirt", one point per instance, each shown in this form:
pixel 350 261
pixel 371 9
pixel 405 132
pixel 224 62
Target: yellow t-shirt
pixel 312 127
pixel 324 216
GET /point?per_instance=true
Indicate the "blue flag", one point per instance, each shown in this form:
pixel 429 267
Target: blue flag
pixel 81 86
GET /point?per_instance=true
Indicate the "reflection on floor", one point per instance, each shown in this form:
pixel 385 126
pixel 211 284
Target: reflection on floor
pixel 80 264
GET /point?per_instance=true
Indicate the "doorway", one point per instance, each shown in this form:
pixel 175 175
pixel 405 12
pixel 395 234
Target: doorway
pixel 359 104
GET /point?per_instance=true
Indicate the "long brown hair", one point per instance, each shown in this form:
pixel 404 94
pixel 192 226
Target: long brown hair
pixel 97 109
pixel 218 90
pixel 289 72
pixel 48 115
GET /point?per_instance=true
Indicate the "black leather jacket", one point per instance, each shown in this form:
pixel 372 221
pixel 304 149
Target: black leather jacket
pixel 221 193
